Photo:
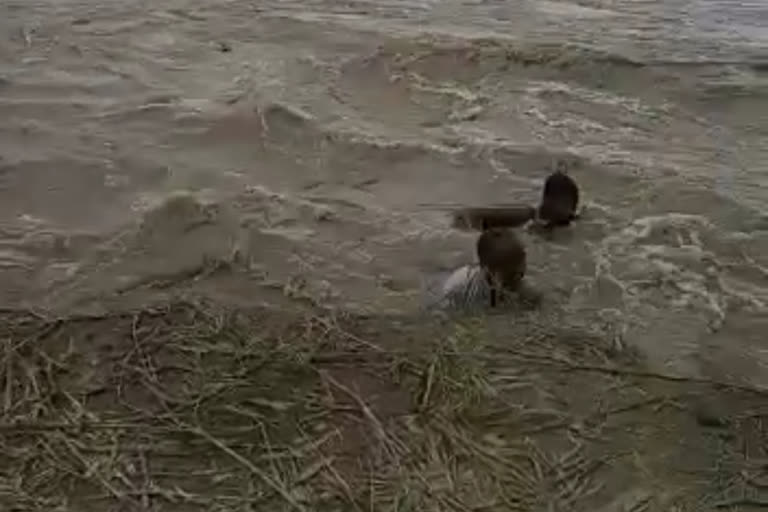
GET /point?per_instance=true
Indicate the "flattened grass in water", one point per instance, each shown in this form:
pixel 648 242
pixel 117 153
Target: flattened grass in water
pixel 191 407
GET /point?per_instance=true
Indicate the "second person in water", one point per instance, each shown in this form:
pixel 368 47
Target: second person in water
pixel 496 279
pixel 557 208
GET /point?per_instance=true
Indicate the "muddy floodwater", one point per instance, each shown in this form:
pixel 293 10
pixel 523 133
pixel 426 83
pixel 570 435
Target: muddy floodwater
pixel 250 151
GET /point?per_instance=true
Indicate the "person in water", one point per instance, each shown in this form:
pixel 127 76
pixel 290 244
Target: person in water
pixel 559 200
pixel 495 279
pixel 481 218
pixel 557 208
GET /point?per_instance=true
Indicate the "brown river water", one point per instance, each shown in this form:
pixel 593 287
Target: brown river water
pixel 249 151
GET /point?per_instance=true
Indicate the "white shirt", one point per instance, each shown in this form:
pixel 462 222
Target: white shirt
pixel 467 288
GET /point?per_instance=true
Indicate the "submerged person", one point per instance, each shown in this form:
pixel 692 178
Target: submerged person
pixel 481 218
pixel 559 200
pixel 557 208
pixel 494 280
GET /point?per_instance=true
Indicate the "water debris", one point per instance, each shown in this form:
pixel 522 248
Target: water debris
pixel 223 47
pixel 708 415
pixel 197 405
pixel 27 33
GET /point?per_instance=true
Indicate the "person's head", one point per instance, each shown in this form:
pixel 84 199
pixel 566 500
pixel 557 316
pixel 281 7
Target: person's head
pixel 502 254
pixel 559 199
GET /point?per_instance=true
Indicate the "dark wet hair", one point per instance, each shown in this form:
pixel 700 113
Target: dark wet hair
pixel 559 199
pixel 502 253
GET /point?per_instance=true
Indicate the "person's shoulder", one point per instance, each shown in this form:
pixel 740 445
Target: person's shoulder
pixel 465 287
pixel 460 277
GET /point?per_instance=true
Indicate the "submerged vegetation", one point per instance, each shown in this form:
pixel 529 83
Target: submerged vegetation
pixel 195 407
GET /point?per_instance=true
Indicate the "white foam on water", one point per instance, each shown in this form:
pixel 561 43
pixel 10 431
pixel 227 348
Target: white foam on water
pixel 668 282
